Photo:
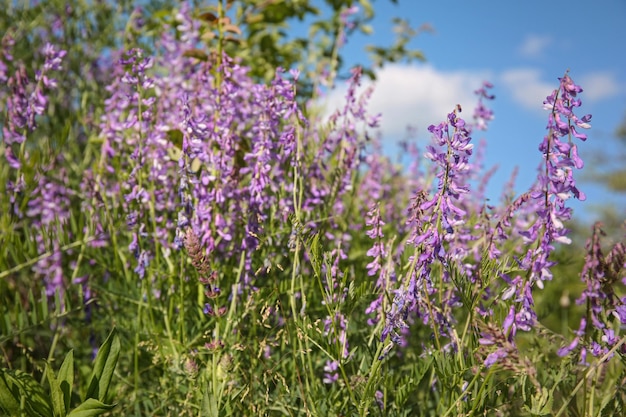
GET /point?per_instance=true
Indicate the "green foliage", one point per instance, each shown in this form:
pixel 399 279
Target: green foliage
pixel 104 367
pixel 614 180
pixel 21 394
pixel 260 34
pixel 265 353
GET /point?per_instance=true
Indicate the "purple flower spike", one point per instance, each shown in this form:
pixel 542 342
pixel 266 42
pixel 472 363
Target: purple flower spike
pixel 554 186
pixel 27 100
pixel 434 222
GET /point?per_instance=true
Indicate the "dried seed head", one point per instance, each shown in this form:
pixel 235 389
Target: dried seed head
pixel 196 253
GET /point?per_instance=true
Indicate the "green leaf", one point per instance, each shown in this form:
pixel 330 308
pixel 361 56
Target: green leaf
pixel 58 405
pixel 366 29
pixel 91 408
pixel 206 403
pixel 316 257
pixel 9 398
pixel 541 403
pixel 17 387
pixel 209 403
pixel 175 137
pixel 104 367
pixel 66 378
pixel 368 9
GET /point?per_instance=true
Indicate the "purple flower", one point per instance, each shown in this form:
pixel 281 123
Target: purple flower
pixel 379 397
pixel 482 114
pixel 546 202
pixel 330 372
pixel 593 275
pixel 48 210
pixel 142 263
pixel 335 330
pixel 580 333
pixel 26 101
pixel 600 274
pixel 434 221
pixel 377 251
pixel 495 356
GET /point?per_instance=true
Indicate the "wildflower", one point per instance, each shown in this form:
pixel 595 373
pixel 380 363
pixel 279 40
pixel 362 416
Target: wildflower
pixel 432 219
pixel 142 263
pixel 196 254
pixel 49 210
pixel 593 276
pixel 379 397
pixel 26 101
pixel 555 185
pixel 330 372
pixel 600 274
pixel 495 356
pixel 377 251
pixel 482 114
pixel 336 330
pixel 214 345
pixel 498 345
pixel 580 333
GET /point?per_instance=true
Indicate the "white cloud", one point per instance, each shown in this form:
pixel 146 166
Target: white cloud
pixel 533 46
pixel 417 96
pixel 599 85
pixel 529 90
pixel 526 87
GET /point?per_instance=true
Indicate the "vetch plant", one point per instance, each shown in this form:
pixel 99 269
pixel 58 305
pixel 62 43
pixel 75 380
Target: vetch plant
pixel 256 259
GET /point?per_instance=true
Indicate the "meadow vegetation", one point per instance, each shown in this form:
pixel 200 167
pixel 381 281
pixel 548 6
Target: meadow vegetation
pixel 184 233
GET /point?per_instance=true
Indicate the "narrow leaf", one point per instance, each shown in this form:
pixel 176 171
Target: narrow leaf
pixel 58 405
pixel 91 408
pixel 104 367
pixel 66 378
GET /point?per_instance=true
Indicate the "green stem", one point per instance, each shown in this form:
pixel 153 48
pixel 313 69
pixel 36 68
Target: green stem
pixel 368 393
pixel 588 374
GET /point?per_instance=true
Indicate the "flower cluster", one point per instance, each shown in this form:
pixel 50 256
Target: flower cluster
pixel 547 201
pixel 433 221
pixel 28 101
pixel 49 212
pixel 25 101
pixel 202 193
pixel 555 182
pixel 605 310
pixel 46 199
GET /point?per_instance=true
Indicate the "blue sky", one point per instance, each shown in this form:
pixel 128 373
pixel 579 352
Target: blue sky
pixel 522 48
